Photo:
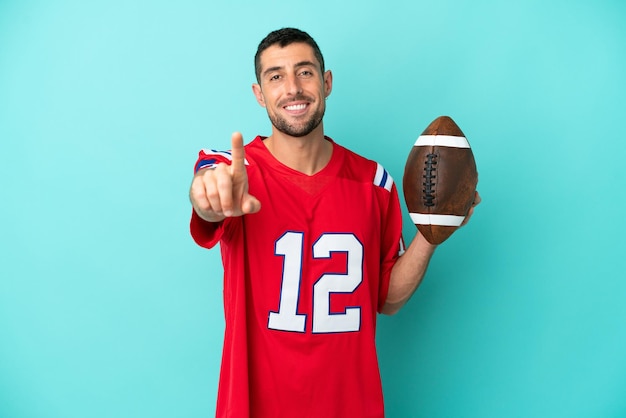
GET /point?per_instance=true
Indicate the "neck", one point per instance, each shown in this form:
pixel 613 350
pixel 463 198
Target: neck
pixel 308 154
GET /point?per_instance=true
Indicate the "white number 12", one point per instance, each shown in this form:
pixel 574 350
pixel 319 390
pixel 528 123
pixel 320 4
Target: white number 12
pixel 287 318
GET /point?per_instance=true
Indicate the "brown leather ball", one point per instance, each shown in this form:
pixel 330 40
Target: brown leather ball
pixel 440 180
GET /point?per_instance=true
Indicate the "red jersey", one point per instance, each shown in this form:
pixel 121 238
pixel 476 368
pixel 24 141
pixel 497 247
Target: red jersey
pixel 304 279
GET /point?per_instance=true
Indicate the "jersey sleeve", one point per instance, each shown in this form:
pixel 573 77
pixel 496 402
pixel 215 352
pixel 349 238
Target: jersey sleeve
pixel 392 245
pixel 207 234
pixel 209 158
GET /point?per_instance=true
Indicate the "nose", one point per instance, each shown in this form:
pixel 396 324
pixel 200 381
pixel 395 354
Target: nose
pixel 294 86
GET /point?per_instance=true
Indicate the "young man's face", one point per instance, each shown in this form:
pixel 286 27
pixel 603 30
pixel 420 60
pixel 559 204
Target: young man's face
pixel 292 88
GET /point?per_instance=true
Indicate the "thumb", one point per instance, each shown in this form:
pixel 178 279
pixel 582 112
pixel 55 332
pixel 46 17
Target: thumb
pixel 250 204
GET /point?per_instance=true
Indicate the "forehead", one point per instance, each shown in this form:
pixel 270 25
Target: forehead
pixel 277 56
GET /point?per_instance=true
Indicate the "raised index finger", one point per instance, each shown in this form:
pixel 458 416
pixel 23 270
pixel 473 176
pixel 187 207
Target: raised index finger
pixel 237 153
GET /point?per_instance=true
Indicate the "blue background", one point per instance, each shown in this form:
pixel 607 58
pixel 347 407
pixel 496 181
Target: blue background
pixel 107 307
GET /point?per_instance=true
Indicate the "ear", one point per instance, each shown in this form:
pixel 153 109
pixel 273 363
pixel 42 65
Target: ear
pixel 328 83
pixel 258 93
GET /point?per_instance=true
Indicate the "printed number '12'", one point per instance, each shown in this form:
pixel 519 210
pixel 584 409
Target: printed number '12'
pixel 287 318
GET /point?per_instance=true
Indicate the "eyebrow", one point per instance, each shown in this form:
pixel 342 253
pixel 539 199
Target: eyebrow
pixel 298 65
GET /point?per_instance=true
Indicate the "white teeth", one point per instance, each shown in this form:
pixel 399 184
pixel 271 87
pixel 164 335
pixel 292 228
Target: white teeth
pixel 295 107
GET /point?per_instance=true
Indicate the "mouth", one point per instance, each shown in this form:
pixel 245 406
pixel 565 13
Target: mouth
pixel 296 107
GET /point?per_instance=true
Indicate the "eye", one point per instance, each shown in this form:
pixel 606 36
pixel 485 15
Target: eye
pixel 275 77
pixel 306 73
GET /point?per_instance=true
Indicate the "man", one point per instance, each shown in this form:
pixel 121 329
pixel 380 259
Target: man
pixel 311 241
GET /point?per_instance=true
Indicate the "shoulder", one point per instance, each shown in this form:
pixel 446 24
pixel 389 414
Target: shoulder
pixel 364 169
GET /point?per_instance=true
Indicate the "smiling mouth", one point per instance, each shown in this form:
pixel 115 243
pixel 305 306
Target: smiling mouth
pixel 296 107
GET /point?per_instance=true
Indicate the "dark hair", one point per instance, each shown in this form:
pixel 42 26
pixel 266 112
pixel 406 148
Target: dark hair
pixel 284 37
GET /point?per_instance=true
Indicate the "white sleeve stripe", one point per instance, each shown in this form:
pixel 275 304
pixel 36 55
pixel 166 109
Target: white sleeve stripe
pixel 402 248
pixel 226 154
pixel 382 178
pixel 210 152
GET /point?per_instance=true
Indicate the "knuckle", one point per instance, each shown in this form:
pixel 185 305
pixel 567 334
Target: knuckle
pixel 224 182
pixel 212 193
